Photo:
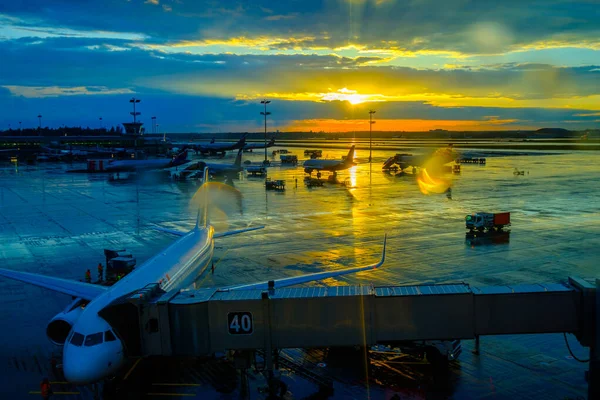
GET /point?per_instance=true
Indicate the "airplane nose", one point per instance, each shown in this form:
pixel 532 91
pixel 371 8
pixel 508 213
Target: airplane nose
pixel 79 373
pixel 80 368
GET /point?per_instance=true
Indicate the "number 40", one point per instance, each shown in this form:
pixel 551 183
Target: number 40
pixel 245 326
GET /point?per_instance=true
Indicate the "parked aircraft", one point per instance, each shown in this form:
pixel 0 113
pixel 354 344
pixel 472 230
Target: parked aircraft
pixel 214 148
pixel 217 168
pixel 330 165
pixel 253 146
pixel 93 349
pixel 145 165
pixel 431 161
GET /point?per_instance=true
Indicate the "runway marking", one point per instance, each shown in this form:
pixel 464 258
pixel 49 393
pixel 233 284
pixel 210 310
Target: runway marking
pixel 38 392
pixel 132 368
pixel 177 384
pixel 172 394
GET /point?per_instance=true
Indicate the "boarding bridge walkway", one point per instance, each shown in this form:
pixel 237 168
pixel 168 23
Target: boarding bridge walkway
pixel 206 321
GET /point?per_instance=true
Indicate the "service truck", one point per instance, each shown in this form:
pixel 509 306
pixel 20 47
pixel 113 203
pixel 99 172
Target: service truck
pixel 487 221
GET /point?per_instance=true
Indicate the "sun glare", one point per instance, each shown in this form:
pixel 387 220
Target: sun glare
pixel 355 99
pixel 351 96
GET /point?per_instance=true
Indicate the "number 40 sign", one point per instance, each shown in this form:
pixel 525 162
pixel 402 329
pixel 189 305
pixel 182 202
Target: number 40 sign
pixel 240 323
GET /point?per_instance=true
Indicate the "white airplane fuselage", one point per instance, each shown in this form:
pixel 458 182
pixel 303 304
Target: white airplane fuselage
pixel 175 267
pixel 136 165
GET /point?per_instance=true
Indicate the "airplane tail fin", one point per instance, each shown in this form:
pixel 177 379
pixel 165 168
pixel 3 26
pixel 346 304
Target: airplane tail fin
pixel 180 157
pixel 238 159
pixel 203 207
pixel 350 157
pixel 242 141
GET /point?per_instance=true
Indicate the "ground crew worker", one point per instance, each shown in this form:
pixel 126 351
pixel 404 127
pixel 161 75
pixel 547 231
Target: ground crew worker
pixel 88 276
pixel 100 271
pixel 45 389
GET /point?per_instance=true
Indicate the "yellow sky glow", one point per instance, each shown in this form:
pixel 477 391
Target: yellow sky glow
pixel 409 125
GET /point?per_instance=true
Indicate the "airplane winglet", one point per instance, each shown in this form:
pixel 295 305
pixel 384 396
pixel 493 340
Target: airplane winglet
pixel 380 263
pixel 205 205
pixel 235 232
pixel 295 280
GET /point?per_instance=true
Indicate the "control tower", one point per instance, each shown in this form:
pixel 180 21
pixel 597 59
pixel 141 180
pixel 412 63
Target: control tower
pixel 135 127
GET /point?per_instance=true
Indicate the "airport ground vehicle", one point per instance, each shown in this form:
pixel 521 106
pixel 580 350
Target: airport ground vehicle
pixel 256 170
pixel 487 221
pixel 118 263
pixel 290 159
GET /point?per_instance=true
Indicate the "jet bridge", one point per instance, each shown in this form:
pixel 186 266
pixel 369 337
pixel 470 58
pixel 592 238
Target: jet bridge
pixel 206 321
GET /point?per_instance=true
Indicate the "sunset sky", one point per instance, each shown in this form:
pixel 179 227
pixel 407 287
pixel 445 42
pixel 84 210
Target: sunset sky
pixel 204 66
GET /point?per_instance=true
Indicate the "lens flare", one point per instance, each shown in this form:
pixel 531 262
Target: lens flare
pixel 429 184
pixel 218 199
pixel 433 176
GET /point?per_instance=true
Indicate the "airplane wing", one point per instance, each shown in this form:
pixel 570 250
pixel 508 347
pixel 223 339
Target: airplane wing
pixel 171 231
pixel 86 291
pixel 295 280
pixel 235 232
pixel 216 235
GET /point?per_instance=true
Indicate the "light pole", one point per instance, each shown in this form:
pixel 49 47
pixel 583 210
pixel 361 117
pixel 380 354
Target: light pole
pixel 134 100
pixel 265 113
pixel 19 125
pixel 40 121
pixel 100 122
pixel 154 125
pixel 371 122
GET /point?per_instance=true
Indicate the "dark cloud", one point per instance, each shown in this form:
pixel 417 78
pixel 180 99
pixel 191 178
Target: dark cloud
pixel 471 26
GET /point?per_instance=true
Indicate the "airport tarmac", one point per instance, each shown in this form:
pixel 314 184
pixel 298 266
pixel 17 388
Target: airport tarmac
pixel 58 224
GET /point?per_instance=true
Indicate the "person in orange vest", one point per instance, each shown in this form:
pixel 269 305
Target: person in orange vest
pixel 45 389
pixel 100 271
pixel 88 276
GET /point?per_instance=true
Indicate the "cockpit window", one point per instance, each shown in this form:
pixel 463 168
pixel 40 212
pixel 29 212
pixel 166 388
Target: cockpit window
pixel 109 336
pixel 93 339
pixel 77 339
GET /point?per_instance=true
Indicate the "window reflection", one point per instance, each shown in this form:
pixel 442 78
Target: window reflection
pixel 93 339
pixel 77 339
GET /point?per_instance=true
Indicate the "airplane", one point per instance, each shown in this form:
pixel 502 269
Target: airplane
pixel 145 165
pixel 330 165
pixel 213 148
pixel 216 168
pixel 93 349
pixel 431 161
pixel 252 146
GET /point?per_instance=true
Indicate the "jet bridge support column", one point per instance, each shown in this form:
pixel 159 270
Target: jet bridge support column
pixel 589 330
pixel 594 371
pixel 268 340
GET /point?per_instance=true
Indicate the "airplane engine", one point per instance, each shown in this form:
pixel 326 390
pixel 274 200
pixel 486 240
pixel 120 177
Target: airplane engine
pixel 308 170
pixel 59 327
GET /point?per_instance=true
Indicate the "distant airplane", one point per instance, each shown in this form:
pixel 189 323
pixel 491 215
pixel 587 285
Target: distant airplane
pixel 145 165
pixel 330 165
pixel 213 148
pixel 217 168
pixel 404 161
pixel 252 146
pixel 93 349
